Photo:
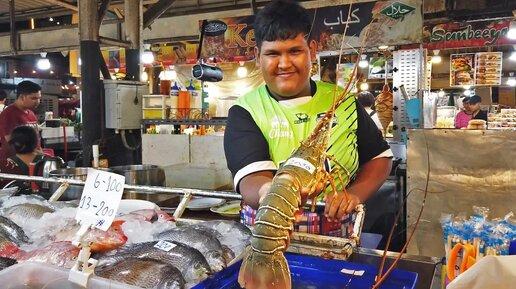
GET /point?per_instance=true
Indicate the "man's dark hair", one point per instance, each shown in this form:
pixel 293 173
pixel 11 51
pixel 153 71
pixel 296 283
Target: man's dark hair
pixel 281 20
pixel 27 87
pixel 366 98
pixel 24 139
pixel 3 94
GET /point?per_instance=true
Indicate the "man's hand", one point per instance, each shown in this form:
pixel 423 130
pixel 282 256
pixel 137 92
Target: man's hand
pixel 306 194
pixel 339 205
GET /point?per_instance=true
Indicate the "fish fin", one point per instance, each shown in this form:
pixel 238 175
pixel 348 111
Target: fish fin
pixel 269 271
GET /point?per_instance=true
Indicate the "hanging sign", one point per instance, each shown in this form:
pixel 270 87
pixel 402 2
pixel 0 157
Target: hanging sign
pixel 466 34
pixel 395 23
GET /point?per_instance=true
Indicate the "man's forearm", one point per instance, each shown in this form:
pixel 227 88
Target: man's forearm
pixel 254 187
pixel 370 178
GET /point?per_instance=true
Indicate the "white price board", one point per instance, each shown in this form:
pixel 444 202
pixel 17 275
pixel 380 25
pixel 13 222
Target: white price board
pixel 100 199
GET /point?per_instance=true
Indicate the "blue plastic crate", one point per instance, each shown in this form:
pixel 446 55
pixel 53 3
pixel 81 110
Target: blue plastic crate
pixel 314 273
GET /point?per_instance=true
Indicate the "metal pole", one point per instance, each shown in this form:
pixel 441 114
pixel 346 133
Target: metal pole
pixel 12 23
pixel 140 189
pixel 90 86
pixel 133 33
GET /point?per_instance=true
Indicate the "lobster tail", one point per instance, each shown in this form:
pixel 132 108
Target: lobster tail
pixel 269 271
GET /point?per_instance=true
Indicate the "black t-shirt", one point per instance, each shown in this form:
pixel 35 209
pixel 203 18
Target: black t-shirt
pixel 244 143
pixel 481 115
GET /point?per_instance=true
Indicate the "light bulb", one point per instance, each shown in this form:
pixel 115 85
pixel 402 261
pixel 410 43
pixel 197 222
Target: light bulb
pixel 147 57
pixel 144 76
pixel 383 47
pixel 363 63
pixel 440 93
pixel 467 92
pixel 511 34
pixel 242 71
pixel 511 81
pixel 436 59
pixel 467 87
pixel 364 86
pixel 513 56
pixel 43 63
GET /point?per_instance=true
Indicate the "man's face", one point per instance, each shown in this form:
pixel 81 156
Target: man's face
pixel 474 107
pixel 286 65
pixel 31 101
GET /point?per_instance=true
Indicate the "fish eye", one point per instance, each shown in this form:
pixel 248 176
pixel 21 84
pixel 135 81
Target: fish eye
pixel 73 258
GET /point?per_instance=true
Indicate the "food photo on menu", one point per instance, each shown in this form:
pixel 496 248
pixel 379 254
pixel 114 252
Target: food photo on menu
pixel 462 70
pixel 489 68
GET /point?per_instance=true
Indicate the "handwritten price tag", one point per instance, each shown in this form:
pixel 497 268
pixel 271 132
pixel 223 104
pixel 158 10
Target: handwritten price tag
pixel 100 199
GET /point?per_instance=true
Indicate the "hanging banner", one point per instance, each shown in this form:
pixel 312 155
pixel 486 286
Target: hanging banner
pixel 466 34
pixel 115 60
pixel 395 23
pixel 229 39
pixel 182 52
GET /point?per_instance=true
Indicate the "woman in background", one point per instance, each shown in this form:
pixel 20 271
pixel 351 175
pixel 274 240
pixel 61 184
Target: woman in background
pixel 464 116
pixel 24 141
pixel 367 100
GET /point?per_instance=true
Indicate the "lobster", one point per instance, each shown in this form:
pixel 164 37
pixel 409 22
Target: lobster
pixel 265 264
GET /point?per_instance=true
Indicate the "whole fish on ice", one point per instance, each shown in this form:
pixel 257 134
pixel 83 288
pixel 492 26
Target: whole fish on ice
pixel 189 261
pixel 12 231
pixel 207 244
pixel 144 273
pixel 62 254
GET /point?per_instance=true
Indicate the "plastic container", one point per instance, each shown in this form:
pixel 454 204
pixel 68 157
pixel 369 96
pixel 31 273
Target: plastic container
pixel 31 275
pixel 317 273
pixel 183 105
pixel 195 101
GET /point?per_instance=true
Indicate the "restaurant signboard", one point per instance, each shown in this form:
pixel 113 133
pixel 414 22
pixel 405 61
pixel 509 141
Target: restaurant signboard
pixel 395 23
pixel 466 34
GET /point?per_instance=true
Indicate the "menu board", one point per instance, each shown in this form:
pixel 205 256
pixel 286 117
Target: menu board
pixel 462 69
pixel 488 68
pixel 479 69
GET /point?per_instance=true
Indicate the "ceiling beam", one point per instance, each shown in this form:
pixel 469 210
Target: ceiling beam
pixel 155 12
pixel 102 10
pixel 63 4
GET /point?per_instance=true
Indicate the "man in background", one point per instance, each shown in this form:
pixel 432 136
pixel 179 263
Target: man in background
pixel 3 99
pixel 474 107
pixel 28 96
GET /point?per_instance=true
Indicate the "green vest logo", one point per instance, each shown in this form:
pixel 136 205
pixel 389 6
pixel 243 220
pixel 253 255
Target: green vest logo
pixel 397 10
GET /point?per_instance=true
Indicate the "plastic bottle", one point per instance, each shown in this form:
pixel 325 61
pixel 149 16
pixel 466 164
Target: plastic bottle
pixel 195 101
pixel 174 96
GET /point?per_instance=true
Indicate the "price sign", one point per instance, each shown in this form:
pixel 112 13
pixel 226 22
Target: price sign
pixel 100 199
pixel 164 245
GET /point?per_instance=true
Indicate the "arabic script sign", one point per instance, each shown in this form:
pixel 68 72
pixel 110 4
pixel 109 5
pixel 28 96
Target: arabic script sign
pixel 397 10
pixel 395 23
pixel 466 34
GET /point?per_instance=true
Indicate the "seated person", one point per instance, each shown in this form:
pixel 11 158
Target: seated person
pixel 24 141
pixel 367 100
pixel 464 116
pixel 474 106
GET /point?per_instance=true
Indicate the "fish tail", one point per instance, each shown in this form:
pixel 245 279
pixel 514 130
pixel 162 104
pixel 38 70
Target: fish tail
pixel 262 270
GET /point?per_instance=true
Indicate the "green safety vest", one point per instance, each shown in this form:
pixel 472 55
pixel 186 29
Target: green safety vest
pixel 284 127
